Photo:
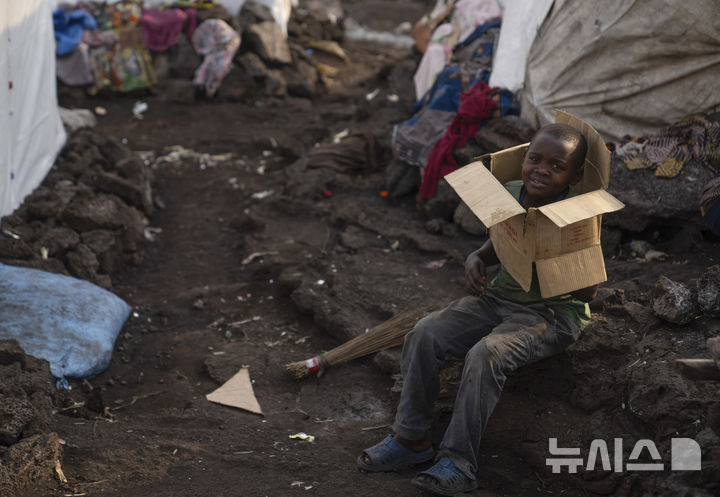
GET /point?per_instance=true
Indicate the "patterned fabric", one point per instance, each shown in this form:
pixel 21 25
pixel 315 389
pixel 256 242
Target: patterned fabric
pixel 466 16
pixel 667 152
pixel 218 42
pixel 413 140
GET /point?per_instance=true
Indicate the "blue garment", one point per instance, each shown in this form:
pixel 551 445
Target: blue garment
pixel 69 27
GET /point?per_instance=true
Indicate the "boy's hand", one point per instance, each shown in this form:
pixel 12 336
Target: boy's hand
pixel 475 274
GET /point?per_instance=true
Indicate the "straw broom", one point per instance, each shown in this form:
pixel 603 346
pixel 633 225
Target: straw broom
pixel 383 336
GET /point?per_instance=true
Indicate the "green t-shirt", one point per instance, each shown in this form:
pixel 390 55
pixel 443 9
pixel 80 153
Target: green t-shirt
pixel 505 285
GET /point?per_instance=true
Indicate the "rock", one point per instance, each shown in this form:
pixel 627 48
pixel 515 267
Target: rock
pixel 179 91
pixel 401 178
pixel 14 249
pixel 252 13
pixel 610 239
pixel 607 297
pixel 44 203
pixel 28 467
pixel 443 204
pixel 57 241
pixel 649 198
pixel 275 84
pixel 15 414
pixel 87 213
pixel 183 60
pixel 354 238
pixel 329 47
pixel 673 302
pixel 467 154
pixel 268 41
pixel 468 221
pixel 708 291
pixel 490 140
pixel 302 81
pixel 388 360
pixel 110 148
pixel 126 190
pixel 640 248
pixel 253 66
pixel 82 263
pixel 513 128
pixel 106 247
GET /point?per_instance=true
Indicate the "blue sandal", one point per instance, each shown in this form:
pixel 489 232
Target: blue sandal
pixel 444 478
pixel 391 455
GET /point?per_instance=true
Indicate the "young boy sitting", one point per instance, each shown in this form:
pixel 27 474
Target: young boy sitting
pixel 498 329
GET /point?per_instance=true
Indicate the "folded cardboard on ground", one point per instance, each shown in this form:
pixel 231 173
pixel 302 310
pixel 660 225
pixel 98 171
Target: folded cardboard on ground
pixel 562 239
pixel 237 392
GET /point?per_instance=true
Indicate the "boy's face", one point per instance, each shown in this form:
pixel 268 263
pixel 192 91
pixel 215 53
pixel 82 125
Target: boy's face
pixel 548 168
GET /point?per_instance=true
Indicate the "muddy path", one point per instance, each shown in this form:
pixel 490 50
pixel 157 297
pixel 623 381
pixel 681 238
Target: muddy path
pixel 258 260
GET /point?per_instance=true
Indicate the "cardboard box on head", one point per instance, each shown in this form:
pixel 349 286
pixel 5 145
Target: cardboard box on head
pixel 562 239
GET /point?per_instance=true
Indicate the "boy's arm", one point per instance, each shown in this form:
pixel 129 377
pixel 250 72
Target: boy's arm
pixel 476 267
pixel 585 294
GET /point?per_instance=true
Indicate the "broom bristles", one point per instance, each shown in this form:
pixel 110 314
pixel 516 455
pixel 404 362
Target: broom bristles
pixel 387 334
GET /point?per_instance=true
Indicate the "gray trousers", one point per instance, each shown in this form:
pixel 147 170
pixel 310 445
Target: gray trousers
pixel 495 336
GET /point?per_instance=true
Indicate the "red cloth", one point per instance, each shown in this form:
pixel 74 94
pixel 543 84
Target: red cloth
pixel 161 29
pixel 476 106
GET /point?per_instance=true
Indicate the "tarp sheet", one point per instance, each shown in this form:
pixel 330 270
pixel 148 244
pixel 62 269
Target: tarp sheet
pixel 628 66
pixel 31 133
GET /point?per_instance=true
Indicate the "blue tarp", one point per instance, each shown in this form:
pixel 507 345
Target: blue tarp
pixel 69 322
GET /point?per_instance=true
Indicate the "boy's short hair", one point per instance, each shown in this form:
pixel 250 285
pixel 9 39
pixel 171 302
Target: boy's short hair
pixel 567 133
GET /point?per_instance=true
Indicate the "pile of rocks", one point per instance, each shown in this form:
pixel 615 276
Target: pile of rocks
pixel 29 451
pixel 676 303
pixel 268 62
pixel 88 216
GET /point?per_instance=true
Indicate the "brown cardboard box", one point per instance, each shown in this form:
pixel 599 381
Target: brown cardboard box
pixel 562 239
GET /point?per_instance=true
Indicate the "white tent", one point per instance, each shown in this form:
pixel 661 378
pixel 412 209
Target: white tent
pixel 626 66
pixel 31 133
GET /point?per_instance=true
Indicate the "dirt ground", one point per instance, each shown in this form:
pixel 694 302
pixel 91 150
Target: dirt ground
pixel 231 280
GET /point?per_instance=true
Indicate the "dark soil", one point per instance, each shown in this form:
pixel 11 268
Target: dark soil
pixel 331 259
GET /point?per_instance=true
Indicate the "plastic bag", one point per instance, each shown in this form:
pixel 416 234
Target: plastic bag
pixel 69 322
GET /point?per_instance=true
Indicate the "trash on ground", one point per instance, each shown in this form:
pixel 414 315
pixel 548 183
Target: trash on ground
pixel 139 109
pixel 370 96
pixel 261 195
pixel 100 111
pixel 255 255
pixel 303 436
pixel 237 392
pixel 151 233
pixel 437 264
pixel 340 135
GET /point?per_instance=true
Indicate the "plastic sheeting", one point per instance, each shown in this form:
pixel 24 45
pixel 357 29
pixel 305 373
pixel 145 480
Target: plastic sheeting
pixel 31 133
pixel 69 322
pixel 521 22
pixel 627 66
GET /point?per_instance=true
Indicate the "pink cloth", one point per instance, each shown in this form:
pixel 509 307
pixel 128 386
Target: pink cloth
pixel 161 29
pixel 476 106
pixel 218 42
